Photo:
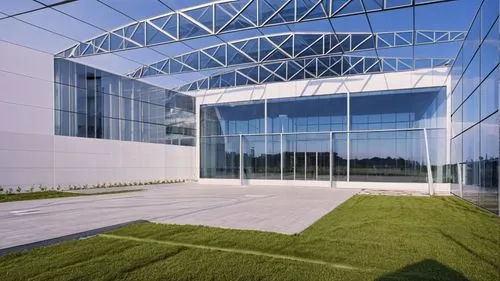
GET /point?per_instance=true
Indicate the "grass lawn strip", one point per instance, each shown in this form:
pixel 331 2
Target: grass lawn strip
pixel 237 251
pixel 54 194
pixel 376 238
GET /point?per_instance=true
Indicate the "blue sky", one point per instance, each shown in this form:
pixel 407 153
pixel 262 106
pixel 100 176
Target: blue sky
pixel 85 19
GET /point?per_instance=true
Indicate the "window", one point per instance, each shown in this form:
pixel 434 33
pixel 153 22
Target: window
pixel 91 104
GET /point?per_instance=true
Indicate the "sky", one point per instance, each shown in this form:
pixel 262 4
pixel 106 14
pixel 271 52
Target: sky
pixel 53 30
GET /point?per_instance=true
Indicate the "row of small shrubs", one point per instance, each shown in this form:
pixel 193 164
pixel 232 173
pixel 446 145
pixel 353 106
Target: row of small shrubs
pixel 59 187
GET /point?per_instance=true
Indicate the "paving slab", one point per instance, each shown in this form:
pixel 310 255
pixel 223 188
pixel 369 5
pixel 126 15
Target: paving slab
pixel 284 210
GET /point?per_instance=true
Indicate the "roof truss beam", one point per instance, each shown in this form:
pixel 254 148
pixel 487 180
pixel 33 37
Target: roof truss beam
pixel 284 46
pixel 226 16
pixel 312 68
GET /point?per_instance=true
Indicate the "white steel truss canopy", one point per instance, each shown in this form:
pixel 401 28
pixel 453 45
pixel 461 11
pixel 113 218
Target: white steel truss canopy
pixel 311 68
pixel 227 16
pixel 291 45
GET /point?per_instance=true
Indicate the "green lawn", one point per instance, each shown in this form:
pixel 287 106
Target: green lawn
pixel 51 194
pixel 366 238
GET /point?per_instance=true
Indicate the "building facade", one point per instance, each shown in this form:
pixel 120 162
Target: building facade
pixel 291 108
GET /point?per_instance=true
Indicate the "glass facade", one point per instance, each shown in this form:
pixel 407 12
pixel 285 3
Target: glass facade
pixel 475 118
pixel 374 136
pixel 91 103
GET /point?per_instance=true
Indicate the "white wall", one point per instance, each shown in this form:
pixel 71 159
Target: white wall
pixel 422 78
pixel 78 160
pixel 30 154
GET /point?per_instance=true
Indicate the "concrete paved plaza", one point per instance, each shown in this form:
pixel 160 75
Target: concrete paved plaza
pixel 279 209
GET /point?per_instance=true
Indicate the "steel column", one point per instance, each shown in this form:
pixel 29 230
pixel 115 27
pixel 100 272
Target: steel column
pixel 241 160
pixel 429 170
pixel 281 155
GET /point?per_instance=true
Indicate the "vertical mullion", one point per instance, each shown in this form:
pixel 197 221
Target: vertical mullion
pixel 331 158
pixel 316 165
pixel 265 138
pixel 241 159
pixel 348 143
pixel 281 155
pixel 429 170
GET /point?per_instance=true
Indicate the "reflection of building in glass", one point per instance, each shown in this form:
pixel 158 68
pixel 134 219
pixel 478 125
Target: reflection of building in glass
pixel 95 104
pixel 385 136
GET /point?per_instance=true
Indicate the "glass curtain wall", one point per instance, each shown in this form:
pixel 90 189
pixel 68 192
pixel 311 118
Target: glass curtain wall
pixel 475 119
pixel 91 103
pixel 307 138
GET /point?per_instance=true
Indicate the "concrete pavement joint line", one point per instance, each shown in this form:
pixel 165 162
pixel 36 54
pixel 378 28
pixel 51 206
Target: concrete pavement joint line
pixel 222 205
pixel 237 251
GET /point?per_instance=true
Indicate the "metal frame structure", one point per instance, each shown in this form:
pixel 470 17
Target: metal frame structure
pixel 290 45
pixel 426 158
pixel 311 68
pixel 226 16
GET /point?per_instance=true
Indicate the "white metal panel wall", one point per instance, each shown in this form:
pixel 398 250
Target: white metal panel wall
pixel 92 161
pixel 359 83
pixel 30 154
pixel 26 116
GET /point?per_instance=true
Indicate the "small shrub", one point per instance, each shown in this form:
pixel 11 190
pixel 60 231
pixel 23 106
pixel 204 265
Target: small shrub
pixel 1 189
pixel 58 187
pixel 32 189
pixel 19 189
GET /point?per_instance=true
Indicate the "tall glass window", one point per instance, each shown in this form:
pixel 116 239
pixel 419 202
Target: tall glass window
pixel 307 137
pixel 95 104
pixel 475 125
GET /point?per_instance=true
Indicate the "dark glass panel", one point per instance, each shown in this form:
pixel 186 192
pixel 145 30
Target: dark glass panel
pixel 220 157
pixel 489 156
pixel 388 157
pixel 489 94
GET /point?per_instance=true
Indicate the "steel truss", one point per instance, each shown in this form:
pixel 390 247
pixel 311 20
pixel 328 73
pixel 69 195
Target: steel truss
pixel 290 45
pixel 311 68
pixel 226 16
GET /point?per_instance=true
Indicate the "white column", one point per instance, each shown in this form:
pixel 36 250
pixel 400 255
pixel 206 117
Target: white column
pixel 316 165
pixel 265 136
pixel 331 158
pixel 429 170
pixel 305 165
pixel 348 137
pixel 294 165
pixel 241 160
pixel 281 155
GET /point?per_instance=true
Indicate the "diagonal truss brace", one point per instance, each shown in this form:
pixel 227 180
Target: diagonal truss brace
pixel 226 16
pixel 290 45
pixel 312 68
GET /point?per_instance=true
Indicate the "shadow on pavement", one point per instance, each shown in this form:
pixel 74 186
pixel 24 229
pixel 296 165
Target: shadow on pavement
pixel 74 236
